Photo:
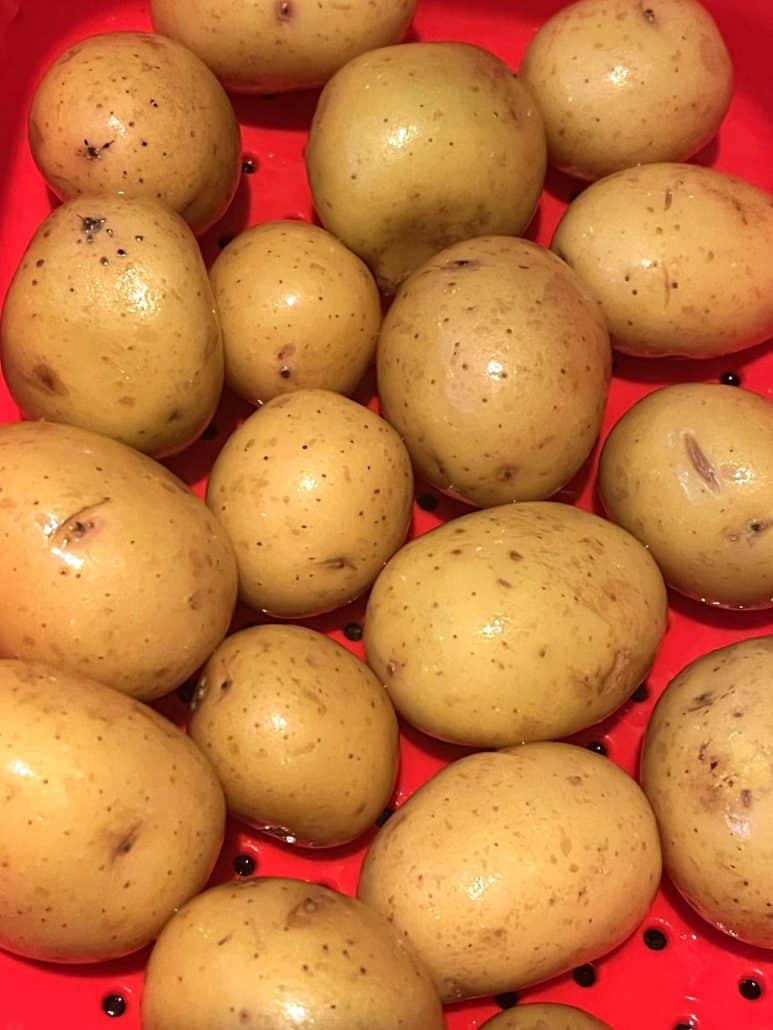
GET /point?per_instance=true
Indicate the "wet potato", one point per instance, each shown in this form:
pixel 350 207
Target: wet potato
pixel 112 818
pixel 545 1017
pixel 126 339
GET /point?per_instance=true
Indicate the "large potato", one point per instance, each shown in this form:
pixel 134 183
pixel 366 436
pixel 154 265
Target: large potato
pixel 111 817
pixel 297 309
pixel 111 567
pixel 689 471
pixel 125 340
pixel 315 492
pixel 301 733
pixel 281 954
pixel 138 115
pixel 545 1017
pixel 267 46
pixel 622 83
pixel 707 768
pixel 523 622
pixel 680 258
pixel 493 365
pixel 508 868
pixel 389 121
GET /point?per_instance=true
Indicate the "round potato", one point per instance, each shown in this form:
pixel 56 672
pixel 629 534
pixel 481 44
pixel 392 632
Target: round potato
pixel 680 258
pixel 315 493
pixel 282 953
pixel 493 365
pixel 138 115
pixel 268 46
pixel 111 567
pixel 707 768
pixel 112 818
pixel 545 1017
pixel 390 119
pixel 126 340
pixel 298 310
pixel 506 869
pixel 689 471
pixel 301 733
pixel 523 622
pixel 623 83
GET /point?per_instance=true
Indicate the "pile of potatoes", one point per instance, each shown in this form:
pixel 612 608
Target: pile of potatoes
pixel 505 630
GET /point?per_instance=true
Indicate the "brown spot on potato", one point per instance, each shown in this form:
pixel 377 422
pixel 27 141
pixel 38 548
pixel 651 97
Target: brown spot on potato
pixel 746 798
pixel 224 940
pixel 704 700
pixel 340 562
pixel 515 556
pixel 649 15
pixel 76 526
pixel 506 472
pixel 307 909
pixel 284 10
pixel 505 583
pixel 462 263
pixel 126 841
pixel 44 376
pixel 701 463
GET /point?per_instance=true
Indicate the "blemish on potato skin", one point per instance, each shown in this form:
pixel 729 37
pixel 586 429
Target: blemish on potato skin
pixel 701 463
pixel 44 376
pixel 284 10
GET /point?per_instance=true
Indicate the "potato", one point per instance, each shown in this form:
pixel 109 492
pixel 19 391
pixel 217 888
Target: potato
pixel 689 471
pixel 126 339
pixel 390 120
pixel 506 869
pixel 707 768
pixel 111 567
pixel 280 953
pixel 269 46
pixel 545 1017
pixel 622 83
pixel 298 310
pixel 138 115
pixel 680 258
pixel 493 365
pixel 524 622
pixel 112 818
pixel 301 733
pixel 315 493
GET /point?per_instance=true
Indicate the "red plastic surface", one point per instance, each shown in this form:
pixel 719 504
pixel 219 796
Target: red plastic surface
pixel 694 980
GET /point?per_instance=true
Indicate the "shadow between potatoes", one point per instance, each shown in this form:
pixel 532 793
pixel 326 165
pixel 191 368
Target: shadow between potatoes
pixel 684 370
pixel 116 969
pixel 235 220
pixel 282 111
pixel 193 464
pixel 721 618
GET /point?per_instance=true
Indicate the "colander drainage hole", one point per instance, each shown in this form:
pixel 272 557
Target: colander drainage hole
pixel 584 976
pixel 210 432
pixel 655 939
pixel 598 746
pixel 186 692
pixel 506 1001
pixel 353 631
pixel 641 693
pixel 249 166
pixel 244 865
pixel 750 989
pixel 427 502
pixel 385 815
pixel 730 379
pixel 113 1005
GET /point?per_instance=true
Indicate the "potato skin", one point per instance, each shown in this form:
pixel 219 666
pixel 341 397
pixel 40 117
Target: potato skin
pixel 384 125
pixel 621 83
pixel 707 766
pixel 545 1017
pixel 261 951
pixel 315 492
pixel 111 567
pixel 163 128
pixel 297 309
pixel 269 47
pixel 474 625
pixel 680 258
pixel 688 470
pixel 494 348
pixel 508 868
pixel 126 339
pixel 301 733
pixel 112 818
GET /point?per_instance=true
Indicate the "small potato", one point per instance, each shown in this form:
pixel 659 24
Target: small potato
pixel 138 115
pixel 493 365
pixel 506 869
pixel 267 46
pixel 111 567
pixel 623 82
pixel 545 1017
pixel 707 768
pixel 297 309
pixel 126 340
pixel 680 258
pixel 315 493
pixel 689 471
pixel 111 817
pixel 523 622
pixel 282 954
pixel 415 147
pixel 301 733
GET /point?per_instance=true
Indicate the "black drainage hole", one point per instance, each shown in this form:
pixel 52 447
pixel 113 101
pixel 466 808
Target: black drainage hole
pixel 427 502
pixel 249 166
pixel 597 746
pixel 385 816
pixel 244 865
pixel 508 1000
pixel 223 241
pixel 186 692
pixel 210 432
pixel 584 976
pixel 750 989
pixel 655 940
pixel 641 693
pixel 353 631
pixel 730 379
pixel 113 1005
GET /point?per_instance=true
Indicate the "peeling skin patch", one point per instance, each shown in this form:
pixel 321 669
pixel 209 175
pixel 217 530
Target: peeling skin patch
pixel 701 463
pixel 75 527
